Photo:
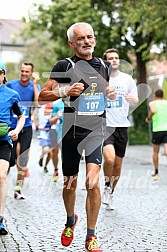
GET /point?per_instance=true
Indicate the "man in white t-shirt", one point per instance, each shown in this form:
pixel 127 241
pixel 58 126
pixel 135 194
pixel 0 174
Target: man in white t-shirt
pixel 117 124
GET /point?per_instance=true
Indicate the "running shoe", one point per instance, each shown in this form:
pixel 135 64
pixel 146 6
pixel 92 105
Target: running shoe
pixel 91 245
pixel 155 176
pixel 40 162
pixel 55 175
pixel 18 195
pixel 106 195
pixel 67 235
pixel 3 229
pixel 110 205
pixel 45 169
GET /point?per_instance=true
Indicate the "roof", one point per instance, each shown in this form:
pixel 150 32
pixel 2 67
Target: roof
pixel 8 30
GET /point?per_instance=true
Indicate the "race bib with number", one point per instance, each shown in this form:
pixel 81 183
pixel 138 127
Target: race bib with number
pixel 26 112
pixel 91 104
pixel 114 103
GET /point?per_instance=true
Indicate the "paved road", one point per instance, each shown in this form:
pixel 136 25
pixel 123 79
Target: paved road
pixel 138 224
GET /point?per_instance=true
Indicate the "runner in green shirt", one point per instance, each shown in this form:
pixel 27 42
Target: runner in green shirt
pixel 158 112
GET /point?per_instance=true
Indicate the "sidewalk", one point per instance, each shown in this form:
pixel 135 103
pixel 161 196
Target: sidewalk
pixel 138 224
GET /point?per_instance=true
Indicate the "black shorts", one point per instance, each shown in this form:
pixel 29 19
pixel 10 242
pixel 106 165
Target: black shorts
pixel 118 137
pixel 72 149
pixel 159 137
pixel 24 138
pixel 5 150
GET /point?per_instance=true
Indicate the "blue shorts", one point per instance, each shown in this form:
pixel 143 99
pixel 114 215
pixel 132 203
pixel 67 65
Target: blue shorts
pixel 44 142
pixel 50 140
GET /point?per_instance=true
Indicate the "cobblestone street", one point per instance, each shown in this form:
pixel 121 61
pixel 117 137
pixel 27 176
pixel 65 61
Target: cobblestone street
pixel 138 224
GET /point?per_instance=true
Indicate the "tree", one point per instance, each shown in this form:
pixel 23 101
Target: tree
pixel 12 72
pixel 61 14
pixel 39 50
pixel 123 24
pixel 141 26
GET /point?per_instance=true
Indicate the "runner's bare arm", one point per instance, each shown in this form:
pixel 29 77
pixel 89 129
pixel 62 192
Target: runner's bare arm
pixel 111 93
pixel 49 92
pixel 20 124
pixel 151 112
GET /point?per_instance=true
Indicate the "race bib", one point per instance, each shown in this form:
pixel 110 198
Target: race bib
pixel 91 104
pixel 114 103
pixel 26 112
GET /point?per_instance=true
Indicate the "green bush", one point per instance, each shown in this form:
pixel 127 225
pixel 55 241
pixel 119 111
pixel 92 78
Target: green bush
pixel 138 136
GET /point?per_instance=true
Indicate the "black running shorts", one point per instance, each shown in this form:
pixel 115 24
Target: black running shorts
pixel 72 149
pixel 118 137
pixel 24 139
pixel 5 150
pixel 159 137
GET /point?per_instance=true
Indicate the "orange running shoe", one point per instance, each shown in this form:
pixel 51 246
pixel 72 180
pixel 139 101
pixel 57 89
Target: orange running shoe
pixel 91 245
pixel 67 235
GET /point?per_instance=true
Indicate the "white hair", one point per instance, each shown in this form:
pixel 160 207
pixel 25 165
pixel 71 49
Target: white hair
pixel 70 31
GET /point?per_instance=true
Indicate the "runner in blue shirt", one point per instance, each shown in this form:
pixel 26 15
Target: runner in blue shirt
pixel 9 100
pixel 28 91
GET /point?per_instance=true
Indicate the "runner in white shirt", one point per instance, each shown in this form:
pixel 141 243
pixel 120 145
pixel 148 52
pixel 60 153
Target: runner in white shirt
pixel 117 124
pixel 47 135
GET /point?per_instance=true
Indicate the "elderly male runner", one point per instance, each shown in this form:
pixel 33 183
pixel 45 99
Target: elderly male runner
pixel 82 81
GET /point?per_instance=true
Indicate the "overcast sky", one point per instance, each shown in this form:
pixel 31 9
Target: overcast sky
pixel 16 9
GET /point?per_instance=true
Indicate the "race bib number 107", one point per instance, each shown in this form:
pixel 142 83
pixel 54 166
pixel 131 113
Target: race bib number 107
pixel 91 104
